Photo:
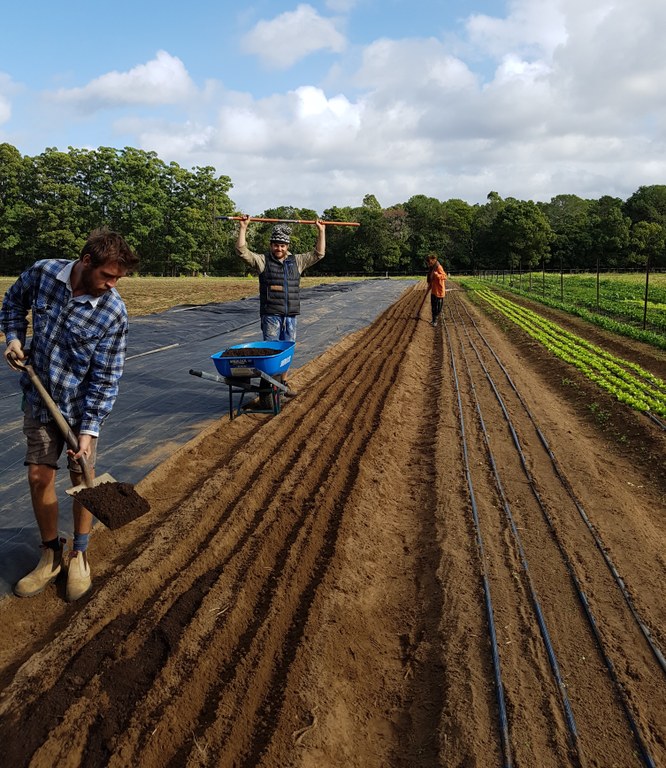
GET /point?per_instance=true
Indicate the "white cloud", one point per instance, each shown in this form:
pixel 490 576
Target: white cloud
pixel 301 122
pixel 5 109
pixel 7 89
pixel 163 80
pixel 291 36
pixel 535 26
pixel 557 96
pixel 613 59
pixel 408 68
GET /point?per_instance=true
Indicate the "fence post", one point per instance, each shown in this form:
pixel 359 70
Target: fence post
pixel 647 281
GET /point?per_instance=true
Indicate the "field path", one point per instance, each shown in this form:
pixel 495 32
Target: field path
pixel 432 557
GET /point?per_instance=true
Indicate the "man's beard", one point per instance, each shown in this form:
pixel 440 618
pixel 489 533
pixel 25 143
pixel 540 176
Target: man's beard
pixel 88 286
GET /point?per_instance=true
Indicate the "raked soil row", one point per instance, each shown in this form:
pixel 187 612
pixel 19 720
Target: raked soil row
pixel 251 547
pixel 307 589
pixel 543 561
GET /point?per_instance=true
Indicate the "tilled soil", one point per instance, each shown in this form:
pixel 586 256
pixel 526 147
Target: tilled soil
pixel 448 550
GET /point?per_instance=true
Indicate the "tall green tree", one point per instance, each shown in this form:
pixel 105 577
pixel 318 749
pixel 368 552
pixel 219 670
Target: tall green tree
pixel 138 207
pixel 610 232
pixel 486 253
pixel 457 222
pixel 17 214
pixel 373 248
pixel 95 171
pixel 569 219
pixel 427 232
pixel 647 204
pixel 523 234
pixel 339 241
pixel 398 228
pixel 647 210
pixel 210 194
pixel 648 244
pixel 59 205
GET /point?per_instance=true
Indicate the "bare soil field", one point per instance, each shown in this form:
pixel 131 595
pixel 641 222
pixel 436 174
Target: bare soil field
pixel 448 550
pixel 147 295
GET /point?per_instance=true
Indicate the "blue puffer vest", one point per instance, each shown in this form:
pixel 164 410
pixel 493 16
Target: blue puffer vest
pixel 279 287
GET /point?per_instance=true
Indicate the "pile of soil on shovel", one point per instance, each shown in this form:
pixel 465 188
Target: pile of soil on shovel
pixel 114 504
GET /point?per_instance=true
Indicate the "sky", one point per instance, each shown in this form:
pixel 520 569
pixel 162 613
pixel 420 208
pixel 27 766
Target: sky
pixel 316 104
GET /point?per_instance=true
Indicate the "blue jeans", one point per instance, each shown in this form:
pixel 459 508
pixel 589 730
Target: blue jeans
pixel 278 327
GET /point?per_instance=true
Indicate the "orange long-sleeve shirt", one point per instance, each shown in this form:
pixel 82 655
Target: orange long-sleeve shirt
pixel 437 280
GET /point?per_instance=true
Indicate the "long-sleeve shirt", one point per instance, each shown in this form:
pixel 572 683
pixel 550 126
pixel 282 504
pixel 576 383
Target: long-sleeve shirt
pixel 257 261
pixel 437 280
pixel 78 343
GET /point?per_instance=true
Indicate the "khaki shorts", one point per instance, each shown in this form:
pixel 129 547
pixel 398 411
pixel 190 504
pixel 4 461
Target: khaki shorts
pixel 45 444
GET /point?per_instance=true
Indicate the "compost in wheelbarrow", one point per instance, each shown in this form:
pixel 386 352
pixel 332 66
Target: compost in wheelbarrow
pixel 271 357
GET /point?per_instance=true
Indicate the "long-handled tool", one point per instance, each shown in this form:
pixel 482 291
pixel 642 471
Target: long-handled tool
pixel 70 437
pixel 291 221
pixel 113 503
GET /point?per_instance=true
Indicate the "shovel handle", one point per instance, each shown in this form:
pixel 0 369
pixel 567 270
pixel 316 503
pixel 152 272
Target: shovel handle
pixel 88 479
pixel 70 438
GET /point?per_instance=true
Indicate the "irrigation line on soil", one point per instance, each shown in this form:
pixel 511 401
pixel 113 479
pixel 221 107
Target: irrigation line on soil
pixel 656 420
pixel 603 550
pixel 645 754
pixel 499 687
pixel 550 651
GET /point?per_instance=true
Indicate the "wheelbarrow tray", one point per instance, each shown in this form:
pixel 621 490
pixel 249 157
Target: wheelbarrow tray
pixel 275 358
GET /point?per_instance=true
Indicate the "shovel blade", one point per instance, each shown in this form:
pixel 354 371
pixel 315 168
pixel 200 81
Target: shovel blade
pixel 114 504
pixel 105 478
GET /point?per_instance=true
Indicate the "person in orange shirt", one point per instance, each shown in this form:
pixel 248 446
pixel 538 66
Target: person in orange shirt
pixel 436 285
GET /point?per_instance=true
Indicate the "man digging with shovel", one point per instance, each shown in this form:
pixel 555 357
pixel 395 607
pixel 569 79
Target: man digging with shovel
pixel 78 353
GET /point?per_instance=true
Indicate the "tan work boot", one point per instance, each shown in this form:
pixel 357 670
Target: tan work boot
pixel 48 568
pixel 79 582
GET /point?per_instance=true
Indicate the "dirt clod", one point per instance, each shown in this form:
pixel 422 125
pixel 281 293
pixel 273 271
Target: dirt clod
pixel 114 504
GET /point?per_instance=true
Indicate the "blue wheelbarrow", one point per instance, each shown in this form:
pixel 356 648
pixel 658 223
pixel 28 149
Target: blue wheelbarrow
pixel 254 368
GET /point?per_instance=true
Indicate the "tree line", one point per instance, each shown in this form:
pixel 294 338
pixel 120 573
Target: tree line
pixel 169 215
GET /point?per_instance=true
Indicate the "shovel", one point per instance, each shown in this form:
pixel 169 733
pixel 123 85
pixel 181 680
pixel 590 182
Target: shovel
pixel 113 503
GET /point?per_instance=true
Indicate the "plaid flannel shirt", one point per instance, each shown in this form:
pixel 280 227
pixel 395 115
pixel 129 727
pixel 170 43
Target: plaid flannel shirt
pixel 78 343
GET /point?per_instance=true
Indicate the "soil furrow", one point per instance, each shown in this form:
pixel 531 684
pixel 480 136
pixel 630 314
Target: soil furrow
pixel 306 590
pixel 265 647
pixel 633 660
pixel 582 666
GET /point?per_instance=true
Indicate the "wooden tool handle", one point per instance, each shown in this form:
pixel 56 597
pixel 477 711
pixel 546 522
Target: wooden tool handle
pixel 70 438
pixel 291 221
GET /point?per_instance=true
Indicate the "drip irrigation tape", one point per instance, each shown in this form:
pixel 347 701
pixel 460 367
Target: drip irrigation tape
pixel 550 651
pixel 645 754
pixel 656 651
pixel 499 687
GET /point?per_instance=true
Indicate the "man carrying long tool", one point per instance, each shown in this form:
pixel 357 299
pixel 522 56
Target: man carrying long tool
pixel 279 273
